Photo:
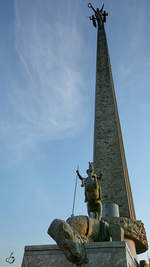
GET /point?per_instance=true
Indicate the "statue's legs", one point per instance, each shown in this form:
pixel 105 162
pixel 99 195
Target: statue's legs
pixel 95 210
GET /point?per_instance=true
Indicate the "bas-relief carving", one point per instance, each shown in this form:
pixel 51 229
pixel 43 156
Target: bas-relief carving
pixel 133 230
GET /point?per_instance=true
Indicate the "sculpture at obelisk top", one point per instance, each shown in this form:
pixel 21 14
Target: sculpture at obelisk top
pixel 100 15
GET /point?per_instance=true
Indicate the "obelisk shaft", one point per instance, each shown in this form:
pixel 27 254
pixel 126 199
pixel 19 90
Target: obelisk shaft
pixel 109 155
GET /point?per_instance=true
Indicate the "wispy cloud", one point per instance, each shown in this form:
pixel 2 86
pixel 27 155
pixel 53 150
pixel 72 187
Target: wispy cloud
pixel 48 102
pixel 132 60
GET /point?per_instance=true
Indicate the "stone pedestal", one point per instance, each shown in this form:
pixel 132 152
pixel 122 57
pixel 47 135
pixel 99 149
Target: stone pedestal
pixel 99 254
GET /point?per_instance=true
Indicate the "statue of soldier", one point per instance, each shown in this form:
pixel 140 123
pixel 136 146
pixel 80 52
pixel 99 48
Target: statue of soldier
pixel 93 193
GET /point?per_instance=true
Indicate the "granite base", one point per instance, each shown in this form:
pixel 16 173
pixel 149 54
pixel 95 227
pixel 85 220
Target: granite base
pixel 99 254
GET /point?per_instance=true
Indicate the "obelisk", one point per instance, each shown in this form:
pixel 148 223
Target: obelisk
pixel 109 155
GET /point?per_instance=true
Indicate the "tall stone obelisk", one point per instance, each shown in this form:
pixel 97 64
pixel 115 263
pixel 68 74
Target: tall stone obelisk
pixel 109 155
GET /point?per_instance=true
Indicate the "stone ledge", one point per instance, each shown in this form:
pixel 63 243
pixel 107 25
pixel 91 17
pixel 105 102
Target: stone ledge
pixel 114 244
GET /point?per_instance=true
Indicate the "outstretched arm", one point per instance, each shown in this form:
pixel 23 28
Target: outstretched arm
pixel 81 178
pixel 90 6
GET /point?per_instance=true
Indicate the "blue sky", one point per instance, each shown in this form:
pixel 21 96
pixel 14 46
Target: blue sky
pixel 47 77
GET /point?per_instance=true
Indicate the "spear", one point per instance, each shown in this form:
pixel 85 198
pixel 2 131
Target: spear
pixel 75 189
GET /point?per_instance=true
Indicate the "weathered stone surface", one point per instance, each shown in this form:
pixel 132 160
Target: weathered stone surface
pixel 104 254
pixel 109 155
pixel 68 240
pixel 133 230
pixel 90 230
pixel 116 232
